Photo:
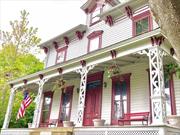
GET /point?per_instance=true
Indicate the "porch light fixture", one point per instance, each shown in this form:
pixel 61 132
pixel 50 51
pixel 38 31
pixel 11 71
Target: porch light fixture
pixel 77 90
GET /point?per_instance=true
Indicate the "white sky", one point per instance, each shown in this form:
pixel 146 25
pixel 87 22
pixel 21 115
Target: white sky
pixel 51 17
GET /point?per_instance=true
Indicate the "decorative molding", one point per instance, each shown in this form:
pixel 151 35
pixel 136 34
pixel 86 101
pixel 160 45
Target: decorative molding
pixel 66 40
pixel 83 63
pixel 45 50
pixel 25 81
pixel 95 34
pixel 55 45
pixel 60 70
pixel 109 20
pixel 157 41
pixel 79 34
pixel 41 76
pixel 129 11
pixel 172 51
pixel 113 54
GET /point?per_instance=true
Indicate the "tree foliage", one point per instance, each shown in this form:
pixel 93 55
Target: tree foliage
pixel 16 60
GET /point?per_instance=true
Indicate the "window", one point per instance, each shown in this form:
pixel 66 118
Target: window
pixel 142 23
pixel 46 108
pixel 169 95
pixel 94 17
pixel 95 41
pixel 61 54
pixel 66 102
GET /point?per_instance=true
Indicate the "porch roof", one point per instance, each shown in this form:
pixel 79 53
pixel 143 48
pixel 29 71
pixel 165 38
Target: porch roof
pixel 95 54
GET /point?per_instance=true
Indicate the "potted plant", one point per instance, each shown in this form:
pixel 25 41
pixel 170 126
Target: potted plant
pixel 171 68
pixel 59 84
pixel 113 70
pixel 98 122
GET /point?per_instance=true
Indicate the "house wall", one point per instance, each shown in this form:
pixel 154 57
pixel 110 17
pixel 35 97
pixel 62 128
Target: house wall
pixel 121 30
pixel 139 92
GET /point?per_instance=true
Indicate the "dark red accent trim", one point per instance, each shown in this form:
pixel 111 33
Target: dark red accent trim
pixel 68 88
pixel 25 81
pixel 140 17
pixel 86 10
pixel 79 35
pixel 66 40
pixel 109 20
pixel 11 85
pixel 125 77
pixel 45 50
pixel 172 94
pixel 61 50
pixel 48 93
pixel 60 70
pixel 83 63
pixel 172 52
pixel 129 11
pixel 113 54
pixel 41 76
pixel 93 35
pixel 55 45
pixel 157 40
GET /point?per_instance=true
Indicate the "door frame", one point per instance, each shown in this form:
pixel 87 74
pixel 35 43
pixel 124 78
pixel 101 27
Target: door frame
pixel 94 77
pixel 125 77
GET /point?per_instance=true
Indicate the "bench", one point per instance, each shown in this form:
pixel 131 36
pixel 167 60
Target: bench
pixel 141 116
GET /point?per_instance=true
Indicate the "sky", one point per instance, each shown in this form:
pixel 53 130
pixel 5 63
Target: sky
pixel 51 17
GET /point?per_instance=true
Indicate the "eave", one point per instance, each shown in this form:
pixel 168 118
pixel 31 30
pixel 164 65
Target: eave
pixel 69 33
pixel 119 10
pixel 76 61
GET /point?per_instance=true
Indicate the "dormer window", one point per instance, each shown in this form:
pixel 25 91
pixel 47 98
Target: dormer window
pixel 95 40
pixel 94 15
pixel 61 54
pixel 142 23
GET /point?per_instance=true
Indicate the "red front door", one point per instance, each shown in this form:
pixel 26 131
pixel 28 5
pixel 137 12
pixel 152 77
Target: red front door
pixel 93 100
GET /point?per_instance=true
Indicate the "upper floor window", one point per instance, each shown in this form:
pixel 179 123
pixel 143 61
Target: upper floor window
pixel 61 54
pixel 95 41
pixel 142 23
pixel 94 15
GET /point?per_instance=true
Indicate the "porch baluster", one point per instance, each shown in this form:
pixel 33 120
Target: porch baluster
pixel 38 100
pixel 9 108
pixel 82 93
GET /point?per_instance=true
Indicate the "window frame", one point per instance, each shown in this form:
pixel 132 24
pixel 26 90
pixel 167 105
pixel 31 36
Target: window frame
pixel 69 88
pixel 59 50
pixel 125 77
pixel 91 15
pixel 139 17
pixel 46 94
pixel 93 35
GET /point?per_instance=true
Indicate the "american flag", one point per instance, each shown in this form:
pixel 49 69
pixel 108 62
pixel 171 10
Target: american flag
pixel 24 104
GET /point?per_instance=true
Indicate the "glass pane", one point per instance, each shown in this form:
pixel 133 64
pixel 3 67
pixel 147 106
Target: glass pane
pixel 66 100
pixel 116 109
pixel 93 85
pixel 94 44
pixel 142 26
pixel 168 98
pixel 45 116
pixel 95 18
pixel 124 96
pixel 60 57
pixel 47 102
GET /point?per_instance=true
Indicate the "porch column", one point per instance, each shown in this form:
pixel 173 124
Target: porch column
pixel 82 93
pixel 9 108
pixel 157 85
pixel 35 123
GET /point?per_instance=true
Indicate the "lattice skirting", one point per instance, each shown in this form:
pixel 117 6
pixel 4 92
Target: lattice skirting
pixel 154 132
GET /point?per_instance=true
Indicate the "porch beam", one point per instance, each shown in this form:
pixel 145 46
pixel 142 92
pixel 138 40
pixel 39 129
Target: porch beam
pixel 9 108
pixel 38 100
pixel 82 93
pixel 158 103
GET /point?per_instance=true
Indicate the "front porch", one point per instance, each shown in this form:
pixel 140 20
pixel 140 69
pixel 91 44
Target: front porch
pixel 105 130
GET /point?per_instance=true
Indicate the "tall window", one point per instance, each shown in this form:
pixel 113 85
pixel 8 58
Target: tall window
pixel 142 23
pixel 170 98
pixel 46 108
pixel 95 41
pixel 61 54
pixel 94 15
pixel 66 102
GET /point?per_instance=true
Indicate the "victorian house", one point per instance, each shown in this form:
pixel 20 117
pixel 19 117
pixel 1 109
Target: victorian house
pixel 111 69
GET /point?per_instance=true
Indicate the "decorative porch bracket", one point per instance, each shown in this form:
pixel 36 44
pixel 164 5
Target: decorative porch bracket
pixel 9 108
pixel 82 93
pixel 157 84
pixel 35 123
